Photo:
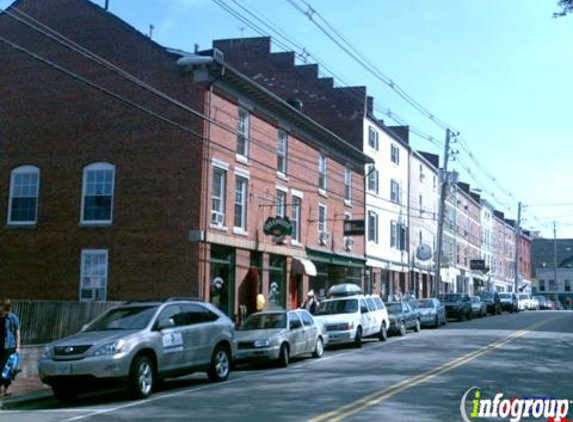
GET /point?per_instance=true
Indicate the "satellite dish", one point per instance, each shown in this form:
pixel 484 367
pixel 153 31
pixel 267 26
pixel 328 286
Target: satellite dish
pixel 424 252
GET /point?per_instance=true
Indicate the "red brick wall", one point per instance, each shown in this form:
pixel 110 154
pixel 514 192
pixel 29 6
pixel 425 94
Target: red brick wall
pixel 60 125
pixel 302 174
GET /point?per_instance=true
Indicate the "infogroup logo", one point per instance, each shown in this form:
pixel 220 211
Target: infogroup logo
pixel 474 406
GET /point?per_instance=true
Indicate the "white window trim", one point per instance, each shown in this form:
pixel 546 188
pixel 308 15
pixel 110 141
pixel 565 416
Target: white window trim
pixel 297 193
pixel 84 252
pixel 376 239
pixel 15 171
pixel 239 156
pixel 325 218
pixel 97 166
pixel 220 164
pixel 240 229
pixel 245 174
pixel 223 200
pixel 282 188
pixel 348 170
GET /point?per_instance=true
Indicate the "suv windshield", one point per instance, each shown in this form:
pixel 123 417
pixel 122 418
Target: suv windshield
pixel 265 321
pixel 523 296
pixel 452 298
pixel 337 307
pixel 505 296
pixel 428 303
pixel 129 318
pixel 487 295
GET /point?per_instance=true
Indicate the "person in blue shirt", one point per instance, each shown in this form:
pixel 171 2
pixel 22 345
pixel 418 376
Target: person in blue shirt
pixel 9 339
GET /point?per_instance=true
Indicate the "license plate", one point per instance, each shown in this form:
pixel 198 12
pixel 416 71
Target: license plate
pixel 63 369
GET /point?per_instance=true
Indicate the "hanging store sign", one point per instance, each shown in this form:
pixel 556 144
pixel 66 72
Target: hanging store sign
pixel 354 227
pixel 477 264
pixel 278 228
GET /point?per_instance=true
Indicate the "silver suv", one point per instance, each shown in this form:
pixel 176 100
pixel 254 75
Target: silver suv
pixel 138 344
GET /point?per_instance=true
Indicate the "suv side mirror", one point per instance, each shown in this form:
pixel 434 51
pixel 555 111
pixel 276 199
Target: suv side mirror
pixel 165 323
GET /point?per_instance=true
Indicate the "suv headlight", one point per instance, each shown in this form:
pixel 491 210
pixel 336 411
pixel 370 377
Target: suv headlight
pixel 110 348
pixel 261 343
pixel 47 352
pixel 347 326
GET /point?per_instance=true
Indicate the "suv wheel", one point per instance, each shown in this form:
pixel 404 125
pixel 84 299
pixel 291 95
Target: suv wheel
pixel 402 329
pixel 220 364
pixel 383 335
pixel 318 348
pixel 64 392
pixel 141 377
pixel 358 338
pixel 417 326
pixel 283 356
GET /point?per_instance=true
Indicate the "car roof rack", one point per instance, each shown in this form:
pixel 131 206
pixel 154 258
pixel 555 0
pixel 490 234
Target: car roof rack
pixel 181 298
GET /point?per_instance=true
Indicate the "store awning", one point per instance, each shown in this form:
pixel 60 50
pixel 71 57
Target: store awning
pixel 304 266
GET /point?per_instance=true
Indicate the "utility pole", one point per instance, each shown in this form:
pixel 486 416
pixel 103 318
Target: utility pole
pixel 441 207
pixel 517 240
pixel 555 260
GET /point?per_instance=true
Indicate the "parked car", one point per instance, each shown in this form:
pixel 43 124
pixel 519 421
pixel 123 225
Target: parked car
pixel 458 305
pixel 509 302
pixel 524 302
pixel 138 344
pixel 479 307
pixel 550 305
pixel 492 300
pixel 402 318
pixel 279 336
pixel 350 319
pixel 431 312
pixel 542 301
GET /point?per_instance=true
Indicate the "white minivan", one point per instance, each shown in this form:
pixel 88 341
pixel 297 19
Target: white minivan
pixel 349 319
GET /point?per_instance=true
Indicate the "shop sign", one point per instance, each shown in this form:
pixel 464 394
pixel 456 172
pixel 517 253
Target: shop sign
pixel 278 228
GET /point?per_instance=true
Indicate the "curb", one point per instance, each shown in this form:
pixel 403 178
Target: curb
pixel 12 402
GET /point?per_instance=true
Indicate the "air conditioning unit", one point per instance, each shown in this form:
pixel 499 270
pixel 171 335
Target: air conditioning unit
pixel 348 243
pixel 217 218
pixel 323 238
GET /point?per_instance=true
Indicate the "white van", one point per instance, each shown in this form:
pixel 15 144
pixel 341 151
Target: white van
pixel 349 319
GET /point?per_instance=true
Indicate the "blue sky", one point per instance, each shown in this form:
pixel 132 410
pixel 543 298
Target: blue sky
pixel 497 71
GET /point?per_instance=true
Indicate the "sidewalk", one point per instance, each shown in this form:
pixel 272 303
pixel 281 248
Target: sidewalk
pixel 25 389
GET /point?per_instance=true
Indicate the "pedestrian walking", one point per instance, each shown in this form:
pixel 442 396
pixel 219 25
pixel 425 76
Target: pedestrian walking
pixel 9 342
pixel 311 303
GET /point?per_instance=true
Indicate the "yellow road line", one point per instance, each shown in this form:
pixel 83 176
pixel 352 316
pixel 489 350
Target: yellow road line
pixel 378 397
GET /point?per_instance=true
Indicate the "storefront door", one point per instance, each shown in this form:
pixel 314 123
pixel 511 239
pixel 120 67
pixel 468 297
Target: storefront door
pixel 222 280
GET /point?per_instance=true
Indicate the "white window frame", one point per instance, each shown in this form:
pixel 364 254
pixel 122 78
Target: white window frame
pixel 97 167
pixel 84 254
pixel 373 224
pixel 373 138
pixel 25 169
pixel 243 204
pixel 222 197
pixel 243 129
pixel 322 223
pixel 296 218
pixel 282 152
pixel 322 173
pixel 395 188
pixel 281 203
pixel 394 236
pixel 374 181
pixel 348 184
pixel 395 154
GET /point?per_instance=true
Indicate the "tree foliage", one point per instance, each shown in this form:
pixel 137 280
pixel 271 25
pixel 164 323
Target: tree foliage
pixel 566 7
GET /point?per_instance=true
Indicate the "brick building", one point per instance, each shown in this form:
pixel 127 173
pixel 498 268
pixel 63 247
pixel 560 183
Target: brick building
pixel 154 177
pixel 350 113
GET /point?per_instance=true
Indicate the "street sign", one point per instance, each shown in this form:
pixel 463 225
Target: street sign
pixel 477 264
pixel 354 227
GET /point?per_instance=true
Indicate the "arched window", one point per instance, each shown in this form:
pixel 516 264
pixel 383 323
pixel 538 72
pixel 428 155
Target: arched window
pixel 97 193
pixel 24 188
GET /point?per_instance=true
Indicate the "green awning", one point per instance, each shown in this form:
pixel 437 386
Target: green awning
pixel 335 259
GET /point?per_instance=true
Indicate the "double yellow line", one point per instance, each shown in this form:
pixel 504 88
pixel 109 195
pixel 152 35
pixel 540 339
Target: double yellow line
pixel 378 397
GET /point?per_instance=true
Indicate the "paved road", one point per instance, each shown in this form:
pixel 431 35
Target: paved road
pixel 420 377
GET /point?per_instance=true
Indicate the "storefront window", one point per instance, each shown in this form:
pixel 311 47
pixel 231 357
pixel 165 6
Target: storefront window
pixel 222 283
pixel 277 282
